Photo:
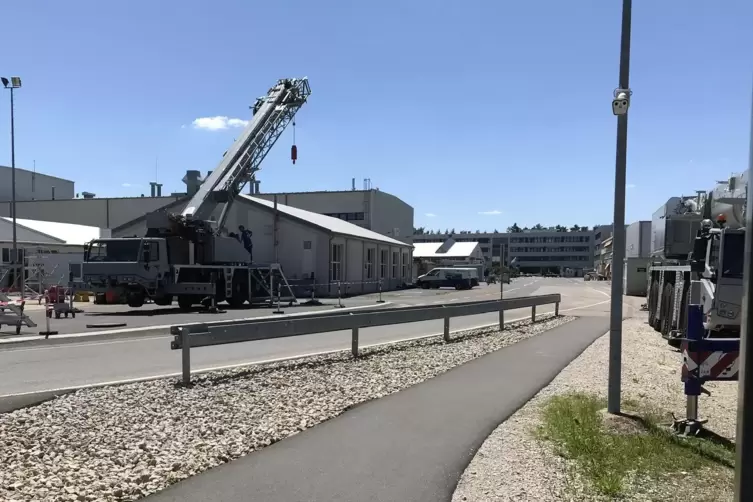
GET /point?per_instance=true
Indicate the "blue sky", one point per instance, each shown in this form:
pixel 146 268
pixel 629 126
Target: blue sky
pixel 459 108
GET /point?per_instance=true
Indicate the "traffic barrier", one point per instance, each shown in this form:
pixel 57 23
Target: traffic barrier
pixel 203 335
pixel 703 360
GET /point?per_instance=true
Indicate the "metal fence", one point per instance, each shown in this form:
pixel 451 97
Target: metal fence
pixel 202 335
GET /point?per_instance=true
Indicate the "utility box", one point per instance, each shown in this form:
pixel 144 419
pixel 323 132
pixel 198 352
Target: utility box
pixel 635 277
pixel 638 240
pixel 673 230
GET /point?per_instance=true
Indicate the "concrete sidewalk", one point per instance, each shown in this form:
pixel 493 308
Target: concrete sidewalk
pixel 409 446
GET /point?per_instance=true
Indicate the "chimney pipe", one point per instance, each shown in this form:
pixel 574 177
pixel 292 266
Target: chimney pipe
pixel 354 185
pixel 152 188
pixel 159 189
pixel 257 183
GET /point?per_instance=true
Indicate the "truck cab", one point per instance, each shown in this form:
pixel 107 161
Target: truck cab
pixel 137 268
pixel 721 281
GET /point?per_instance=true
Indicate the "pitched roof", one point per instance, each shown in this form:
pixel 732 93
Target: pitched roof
pixel 328 223
pixel 429 250
pixel 66 233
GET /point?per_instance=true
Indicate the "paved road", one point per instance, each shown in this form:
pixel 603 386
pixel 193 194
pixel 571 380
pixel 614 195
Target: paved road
pixel 44 368
pixel 409 446
pixel 162 317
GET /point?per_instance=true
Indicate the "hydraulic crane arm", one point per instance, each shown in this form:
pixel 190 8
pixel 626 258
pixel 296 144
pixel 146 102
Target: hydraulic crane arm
pixel 272 113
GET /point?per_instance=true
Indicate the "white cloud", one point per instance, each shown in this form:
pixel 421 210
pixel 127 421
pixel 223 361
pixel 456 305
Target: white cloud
pixel 128 185
pixel 218 123
pixel 490 213
pixel 629 186
pixel 430 215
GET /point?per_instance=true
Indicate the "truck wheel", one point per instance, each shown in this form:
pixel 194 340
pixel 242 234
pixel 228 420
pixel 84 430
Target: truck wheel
pixel 163 301
pixel 424 285
pixel 136 300
pixel 683 320
pixel 240 292
pixel 668 309
pixel 653 302
pixel 185 302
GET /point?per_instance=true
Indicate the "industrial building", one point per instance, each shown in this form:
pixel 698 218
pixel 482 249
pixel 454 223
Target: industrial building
pixel 601 234
pixel 312 248
pixel 46 248
pixel 537 251
pixel 31 185
pixel 370 208
pixel 450 253
pixel 355 236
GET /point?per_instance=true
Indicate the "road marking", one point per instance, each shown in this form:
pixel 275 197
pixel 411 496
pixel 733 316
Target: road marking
pixel 167 326
pixel 274 360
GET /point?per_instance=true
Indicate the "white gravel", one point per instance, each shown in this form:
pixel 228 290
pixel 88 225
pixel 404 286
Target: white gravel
pixel 513 466
pixel 124 442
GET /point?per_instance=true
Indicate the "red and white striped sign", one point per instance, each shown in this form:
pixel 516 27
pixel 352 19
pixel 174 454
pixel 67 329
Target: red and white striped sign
pixel 715 365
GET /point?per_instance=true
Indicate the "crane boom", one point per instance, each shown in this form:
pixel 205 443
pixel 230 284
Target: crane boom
pixel 272 113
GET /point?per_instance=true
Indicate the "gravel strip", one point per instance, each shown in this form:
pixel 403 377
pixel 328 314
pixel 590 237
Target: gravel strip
pixel 125 442
pixel 513 466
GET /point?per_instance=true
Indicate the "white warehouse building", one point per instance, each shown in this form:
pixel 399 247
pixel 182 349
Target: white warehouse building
pixel 311 247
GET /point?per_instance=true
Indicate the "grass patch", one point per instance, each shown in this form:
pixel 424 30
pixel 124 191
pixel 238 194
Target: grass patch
pixel 608 450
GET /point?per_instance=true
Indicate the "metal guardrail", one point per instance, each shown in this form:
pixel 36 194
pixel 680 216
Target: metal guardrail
pixel 203 335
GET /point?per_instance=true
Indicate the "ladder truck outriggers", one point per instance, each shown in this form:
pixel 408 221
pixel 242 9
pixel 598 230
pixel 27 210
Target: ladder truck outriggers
pixel 697 254
pixel 187 256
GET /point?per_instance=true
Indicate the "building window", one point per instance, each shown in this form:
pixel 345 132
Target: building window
pixel 383 257
pixel 347 216
pixel 6 255
pixel 395 260
pixel 337 262
pixel 306 244
pixel 405 265
pixel 370 252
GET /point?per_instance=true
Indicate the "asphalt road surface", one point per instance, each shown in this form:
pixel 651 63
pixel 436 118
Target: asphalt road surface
pixel 34 369
pixel 154 316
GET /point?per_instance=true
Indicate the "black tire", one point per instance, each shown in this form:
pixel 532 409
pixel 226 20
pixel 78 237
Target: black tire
pixel 668 306
pixel 682 322
pixel 653 302
pixel 163 301
pixel 136 300
pixel 185 302
pixel 240 292
pixel 424 285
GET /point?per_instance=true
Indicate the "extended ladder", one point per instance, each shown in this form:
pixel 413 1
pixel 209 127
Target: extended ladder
pixel 270 279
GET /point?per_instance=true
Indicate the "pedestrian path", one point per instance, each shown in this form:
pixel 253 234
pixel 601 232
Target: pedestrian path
pixel 409 446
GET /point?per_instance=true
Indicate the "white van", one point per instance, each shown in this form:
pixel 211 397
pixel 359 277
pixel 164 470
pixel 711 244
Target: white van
pixel 452 277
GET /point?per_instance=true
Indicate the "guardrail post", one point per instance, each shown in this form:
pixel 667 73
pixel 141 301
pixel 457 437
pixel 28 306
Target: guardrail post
pixel 533 314
pixel 380 292
pixel 354 342
pixel 185 341
pixel 339 296
pixel 556 309
pixel 278 311
pixel 446 329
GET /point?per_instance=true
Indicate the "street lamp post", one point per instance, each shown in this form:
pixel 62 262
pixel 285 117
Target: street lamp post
pixel 12 84
pixel 620 106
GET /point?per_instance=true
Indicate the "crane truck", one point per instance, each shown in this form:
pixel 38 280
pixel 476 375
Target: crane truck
pixel 187 255
pixel 697 253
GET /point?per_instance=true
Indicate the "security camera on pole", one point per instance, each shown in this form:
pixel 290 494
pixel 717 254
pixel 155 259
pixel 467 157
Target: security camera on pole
pixel 620 106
